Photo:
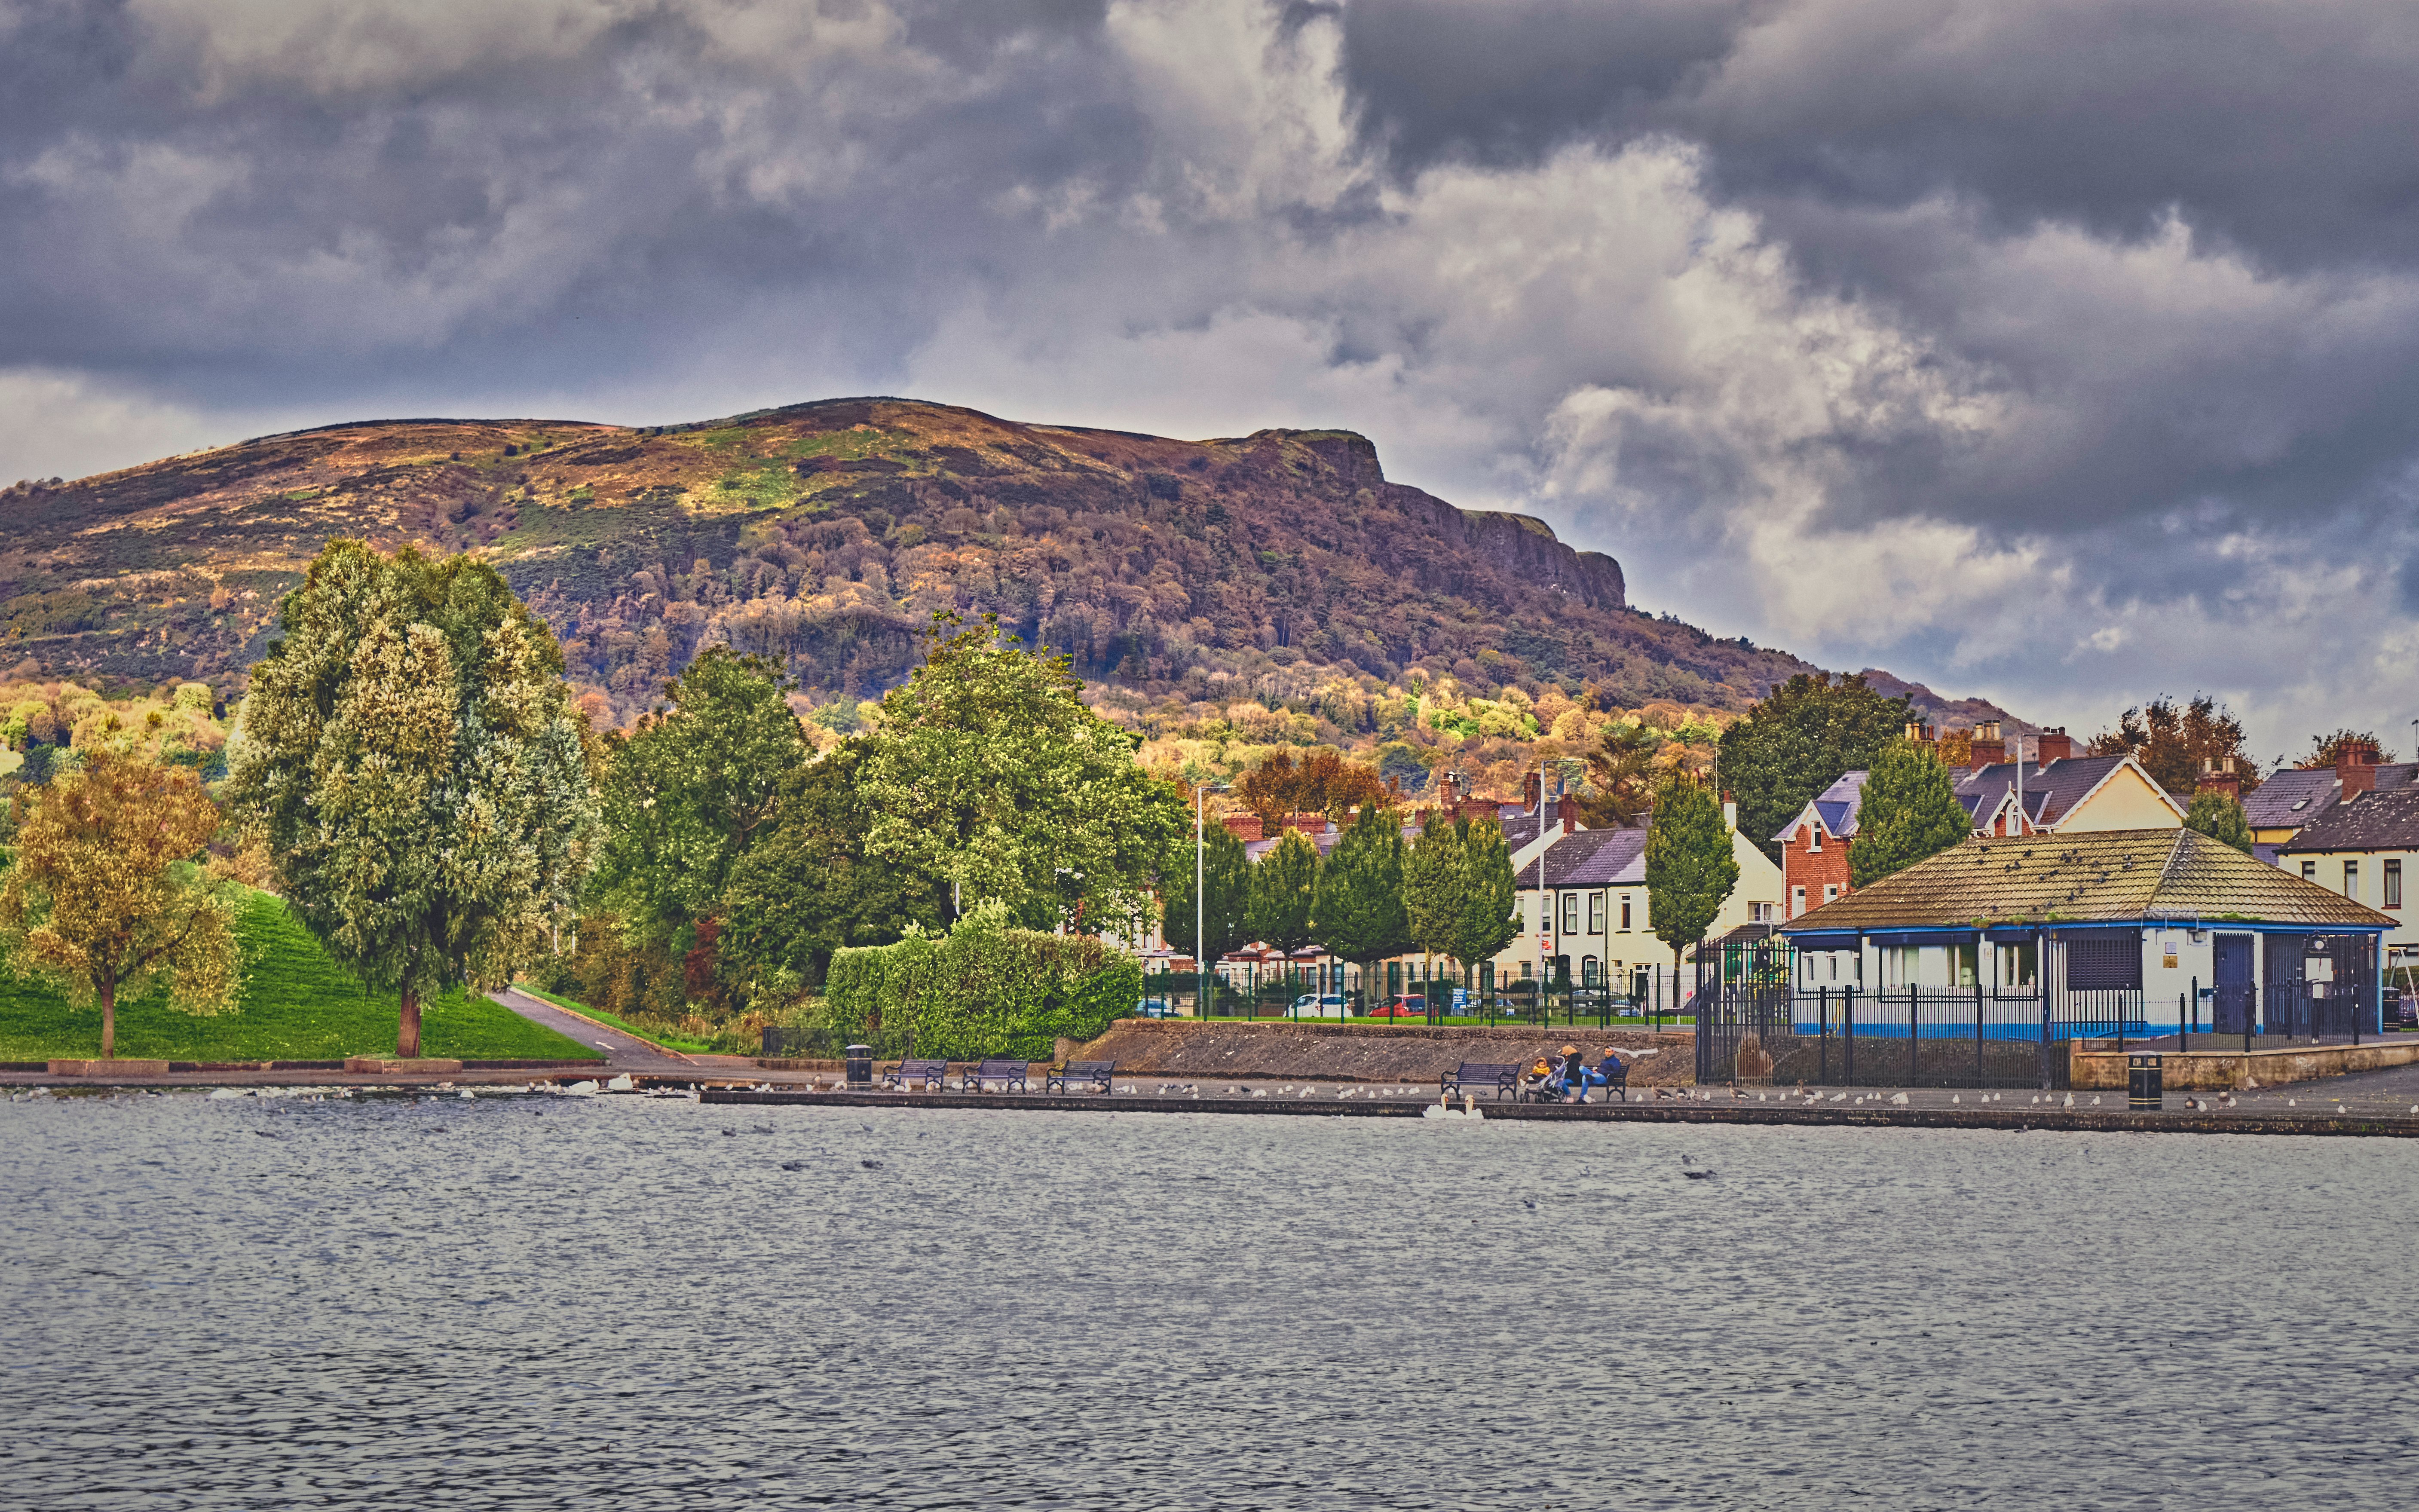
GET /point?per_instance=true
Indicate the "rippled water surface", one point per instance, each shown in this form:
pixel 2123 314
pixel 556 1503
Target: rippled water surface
pixel 633 1302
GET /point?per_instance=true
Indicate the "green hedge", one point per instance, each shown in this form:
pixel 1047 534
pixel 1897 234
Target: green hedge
pixel 983 989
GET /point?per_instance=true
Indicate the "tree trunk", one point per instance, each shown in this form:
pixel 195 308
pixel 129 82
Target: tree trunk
pixel 108 1019
pixel 407 1031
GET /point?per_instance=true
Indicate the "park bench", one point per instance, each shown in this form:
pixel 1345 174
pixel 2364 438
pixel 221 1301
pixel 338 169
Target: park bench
pixel 1095 1075
pixel 926 1075
pixel 1009 1074
pixel 1616 1075
pixel 1483 1077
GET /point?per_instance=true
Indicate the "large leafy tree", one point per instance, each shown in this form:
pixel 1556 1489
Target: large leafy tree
pixel 410 752
pixel 106 896
pixel 1690 868
pixel 1909 810
pixel 1799 741
pixel 1620 777
pixel 2219 816
pixel 992 773
pixel 689 792
pixel 2171 741
pixel 1284 887
pixel 808 886
pixel 1219 919
pixel 1321 782
pixel 1358 906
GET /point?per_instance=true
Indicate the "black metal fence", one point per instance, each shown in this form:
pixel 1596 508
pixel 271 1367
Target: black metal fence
pixel 1945 1037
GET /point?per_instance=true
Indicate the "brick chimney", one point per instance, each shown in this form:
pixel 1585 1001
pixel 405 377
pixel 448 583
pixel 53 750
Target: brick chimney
pixel 2056 745
pixel 2217 775
pixel 1243 826
pixel 1531 787
pixel 1394 787
pixel 2356 767
pixel 1313 825
pixel 1989 747
pixel 1449 792
pixel 1918 733
pixel 1567 811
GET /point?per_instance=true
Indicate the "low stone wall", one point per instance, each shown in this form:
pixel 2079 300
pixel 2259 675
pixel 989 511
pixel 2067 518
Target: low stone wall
pixel 1366 1052
pixel 2102 1065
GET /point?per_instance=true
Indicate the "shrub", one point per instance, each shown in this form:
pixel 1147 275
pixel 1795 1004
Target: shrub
pixel 983 989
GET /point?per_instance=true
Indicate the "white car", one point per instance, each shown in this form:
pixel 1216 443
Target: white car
pixel 1327 1005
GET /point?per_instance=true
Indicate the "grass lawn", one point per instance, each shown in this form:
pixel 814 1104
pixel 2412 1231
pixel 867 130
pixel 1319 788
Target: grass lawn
pixel 298 1004
pixel 669 1041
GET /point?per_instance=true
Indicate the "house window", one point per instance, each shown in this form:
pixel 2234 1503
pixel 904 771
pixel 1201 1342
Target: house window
pixel 1595 913
pixel 2394 883
pixel 1524 970
pixel 1570 913
pixel 2016 964
pixel 1830 892
pixel 2351 880
pixel 1590 971
pixel 1624 912
pixel 1961 963
pixel 1815 838
pixel 1796 901
pixel 2310 871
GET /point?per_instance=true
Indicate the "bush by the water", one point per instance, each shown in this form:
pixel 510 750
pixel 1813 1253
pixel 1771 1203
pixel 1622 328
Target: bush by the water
pixel 983 989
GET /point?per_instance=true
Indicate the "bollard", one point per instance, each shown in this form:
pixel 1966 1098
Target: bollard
pixel 2144 1084
pixel 860 1067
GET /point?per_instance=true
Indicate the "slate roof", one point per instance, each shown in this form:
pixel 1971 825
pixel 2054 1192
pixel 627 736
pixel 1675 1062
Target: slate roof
pixel 2293 799
pixel 1836 805
pixel 2050 790
pixel 1590 859
pixel 2378 820
pixel 2116 875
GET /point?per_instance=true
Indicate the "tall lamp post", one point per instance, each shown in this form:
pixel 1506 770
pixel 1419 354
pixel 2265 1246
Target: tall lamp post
pixel 1201 898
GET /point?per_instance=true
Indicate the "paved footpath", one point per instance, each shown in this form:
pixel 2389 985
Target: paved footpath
pixel 624 1052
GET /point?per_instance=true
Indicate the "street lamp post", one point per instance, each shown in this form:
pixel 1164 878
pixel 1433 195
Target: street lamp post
pixel 1201 898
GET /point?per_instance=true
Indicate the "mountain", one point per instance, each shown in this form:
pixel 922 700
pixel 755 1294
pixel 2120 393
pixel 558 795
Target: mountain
pixel 1221 595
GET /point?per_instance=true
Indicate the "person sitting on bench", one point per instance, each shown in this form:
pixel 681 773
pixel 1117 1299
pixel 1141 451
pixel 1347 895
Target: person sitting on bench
pixel 1601 1073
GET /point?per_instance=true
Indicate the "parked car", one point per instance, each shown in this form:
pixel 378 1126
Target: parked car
pixel 1400 1007
pixel 1155 1008
pixel 1324 1006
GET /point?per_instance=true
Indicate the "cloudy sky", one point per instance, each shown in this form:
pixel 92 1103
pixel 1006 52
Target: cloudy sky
pixel 2065 353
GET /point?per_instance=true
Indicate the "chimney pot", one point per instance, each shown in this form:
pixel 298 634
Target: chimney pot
pixel 1566 810
pixel 2055 745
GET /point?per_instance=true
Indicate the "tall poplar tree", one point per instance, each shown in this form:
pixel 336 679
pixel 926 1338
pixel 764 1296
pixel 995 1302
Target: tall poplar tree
pixel 1908 810
pixel 1358 908
pixel 410 751
pixel 1284 886
pixel 1432 895
pixel 1458 893
pixel 1689 868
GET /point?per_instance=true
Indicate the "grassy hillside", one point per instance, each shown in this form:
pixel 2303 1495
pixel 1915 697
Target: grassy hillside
pixel 298 1004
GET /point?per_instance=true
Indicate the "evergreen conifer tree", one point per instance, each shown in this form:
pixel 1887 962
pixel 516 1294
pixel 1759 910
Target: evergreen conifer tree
pixel 1284 887
pixel 1223 915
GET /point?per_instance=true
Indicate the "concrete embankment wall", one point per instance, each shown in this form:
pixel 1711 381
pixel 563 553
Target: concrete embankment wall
pixel 1364 1052
pixel 2100 1063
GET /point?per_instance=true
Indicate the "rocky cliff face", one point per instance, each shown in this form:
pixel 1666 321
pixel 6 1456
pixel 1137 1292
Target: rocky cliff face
pixel 826 535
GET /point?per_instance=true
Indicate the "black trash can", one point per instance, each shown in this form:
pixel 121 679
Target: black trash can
pixel 2146 1089
pixel 860 1066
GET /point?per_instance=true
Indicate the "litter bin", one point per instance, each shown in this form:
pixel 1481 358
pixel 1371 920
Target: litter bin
pixel 860 1066
pixel 2145 1088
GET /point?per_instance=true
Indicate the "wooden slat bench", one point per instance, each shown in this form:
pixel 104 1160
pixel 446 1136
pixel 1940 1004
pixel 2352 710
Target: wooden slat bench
pixel 926 1075
pixel 1475 1076
pixel 1009 1074
pixel 1095 1075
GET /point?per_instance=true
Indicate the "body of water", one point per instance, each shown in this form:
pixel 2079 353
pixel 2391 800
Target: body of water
pixel 632 1302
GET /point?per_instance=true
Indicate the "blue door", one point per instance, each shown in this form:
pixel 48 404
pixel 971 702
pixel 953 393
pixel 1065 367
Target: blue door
pixel 2231 1008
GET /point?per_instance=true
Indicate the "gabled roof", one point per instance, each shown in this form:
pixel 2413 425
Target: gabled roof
pixel 1590 859
pixel 2292 798
pixel 2113 875
pixel 2052 791
pixel 2369 822
pixel 1834 808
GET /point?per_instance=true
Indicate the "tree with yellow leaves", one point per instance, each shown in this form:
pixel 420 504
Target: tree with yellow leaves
pixel 107 897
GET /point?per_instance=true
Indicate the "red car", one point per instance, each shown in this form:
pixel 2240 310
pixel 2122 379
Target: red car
pixel 1400 1007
